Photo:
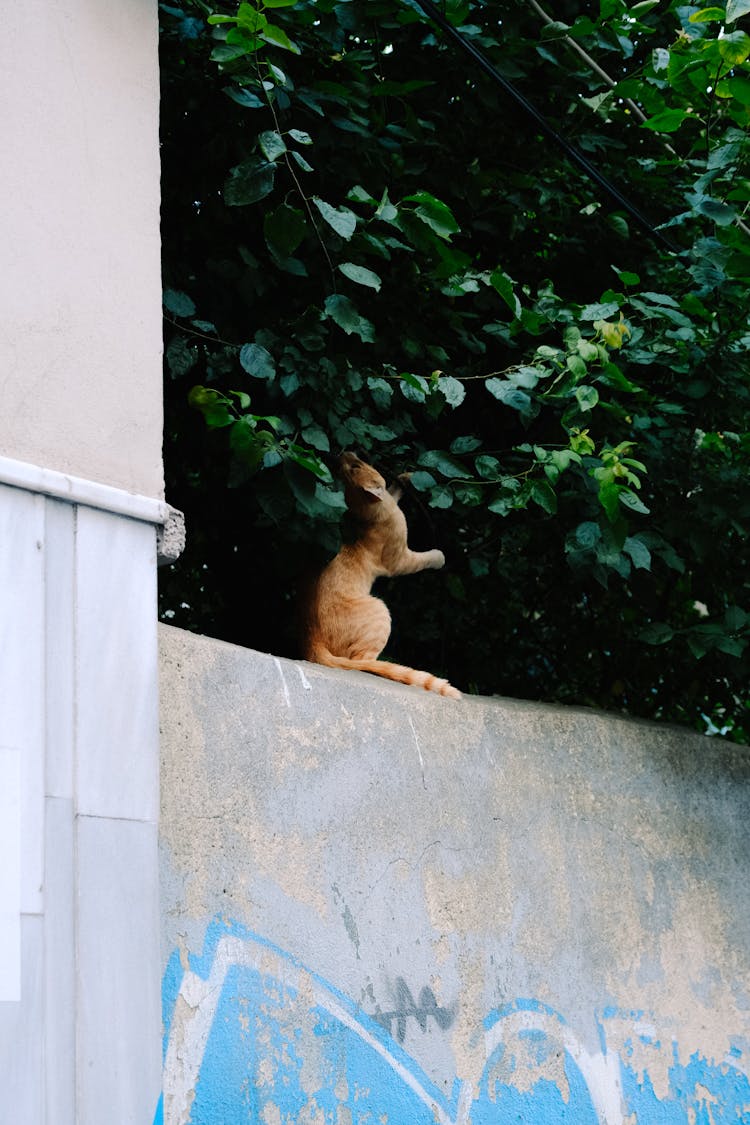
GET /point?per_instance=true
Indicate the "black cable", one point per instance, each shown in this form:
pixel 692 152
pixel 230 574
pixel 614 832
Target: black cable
pixel 433 13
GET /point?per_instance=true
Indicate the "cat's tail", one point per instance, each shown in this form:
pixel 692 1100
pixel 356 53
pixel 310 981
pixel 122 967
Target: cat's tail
pixel 389 671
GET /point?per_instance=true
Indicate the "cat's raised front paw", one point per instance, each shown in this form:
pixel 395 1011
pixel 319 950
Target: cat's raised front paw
pixel 437 561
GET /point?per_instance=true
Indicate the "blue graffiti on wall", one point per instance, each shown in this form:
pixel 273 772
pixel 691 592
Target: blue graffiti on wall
pixel 251 1035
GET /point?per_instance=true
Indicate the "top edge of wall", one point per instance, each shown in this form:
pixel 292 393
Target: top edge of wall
pixel 177 644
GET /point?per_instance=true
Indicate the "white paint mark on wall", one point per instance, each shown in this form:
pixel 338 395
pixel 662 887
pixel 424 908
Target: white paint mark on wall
pixel 10 874
pixel 419 749
pixel 305 682
pixel 277 662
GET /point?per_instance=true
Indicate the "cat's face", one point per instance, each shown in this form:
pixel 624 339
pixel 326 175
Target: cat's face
pixel 363 484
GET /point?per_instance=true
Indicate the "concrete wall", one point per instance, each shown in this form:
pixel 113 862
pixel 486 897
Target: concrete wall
pixel 80 285
pixel 380 906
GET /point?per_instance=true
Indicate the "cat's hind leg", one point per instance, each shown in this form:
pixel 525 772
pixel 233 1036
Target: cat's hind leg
pixel 369 630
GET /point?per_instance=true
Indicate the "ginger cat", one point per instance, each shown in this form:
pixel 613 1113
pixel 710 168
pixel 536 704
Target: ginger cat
pixel 343 625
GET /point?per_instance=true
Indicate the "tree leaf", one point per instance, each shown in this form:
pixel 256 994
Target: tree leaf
pixel 601 310
pixel 244 97
pixel 342 220
pixel 504 286
pixel 180 357
pixel 504 391
pixel 309 460
pixel 445 464
pixel 555 30
pixel 543 494
pixel 487 466
pixel 735 618
pixel 660 59
pixel 638 552
pixel 732 646
pixel 465 444
pixel 452 390
pixel 341 309
pixel 317 437
pixel 227 52
pixel 734 48
pixel 501 503
pixel 381 391
pixel 707 15
pixel 656 633
pixel 422 480
pixel 415 388
pixel 344 313
pixel 276 35
pixel 434 213
pixel 178 303
pixel 441 497
pixel 250 17
pixel 609 498
pixel 668 121
pixel 300 160
pixel 284 229
pixel 721 213
pixel 360 275
pixel 587 397
pixel 576 365
pixel 587 535
pixel 736 9
pixel 249 182
pixel 213 406
pixel 257 361
pixel 272 144
pixel 631 500
pixel 387 212
pixel 300 137
pixel 246 37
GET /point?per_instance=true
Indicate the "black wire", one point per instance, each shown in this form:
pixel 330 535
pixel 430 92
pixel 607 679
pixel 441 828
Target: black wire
pixel 433 13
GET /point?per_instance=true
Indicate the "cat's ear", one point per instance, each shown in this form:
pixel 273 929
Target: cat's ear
pixel 377 492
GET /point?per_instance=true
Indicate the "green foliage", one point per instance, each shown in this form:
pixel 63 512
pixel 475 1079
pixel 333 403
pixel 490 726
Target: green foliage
pixel 363 237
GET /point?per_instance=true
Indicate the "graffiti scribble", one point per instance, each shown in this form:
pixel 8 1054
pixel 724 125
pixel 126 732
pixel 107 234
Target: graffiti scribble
pixel 406 1008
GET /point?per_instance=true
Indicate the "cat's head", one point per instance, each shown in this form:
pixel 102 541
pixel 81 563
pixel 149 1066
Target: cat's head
pixel 363 485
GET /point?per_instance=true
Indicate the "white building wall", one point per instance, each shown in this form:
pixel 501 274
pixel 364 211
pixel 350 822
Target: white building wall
pixel 81 487
pixel 80 303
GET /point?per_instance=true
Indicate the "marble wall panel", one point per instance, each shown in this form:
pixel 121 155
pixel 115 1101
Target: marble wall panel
pixel 59 581
pixel 116 683
pixel 60 963
pixel 22 1037
pixel 22 671
pixel 119 1017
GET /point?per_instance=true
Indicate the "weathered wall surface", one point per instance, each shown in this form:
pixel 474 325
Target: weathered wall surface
pixel 381 906
pixel 80 285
